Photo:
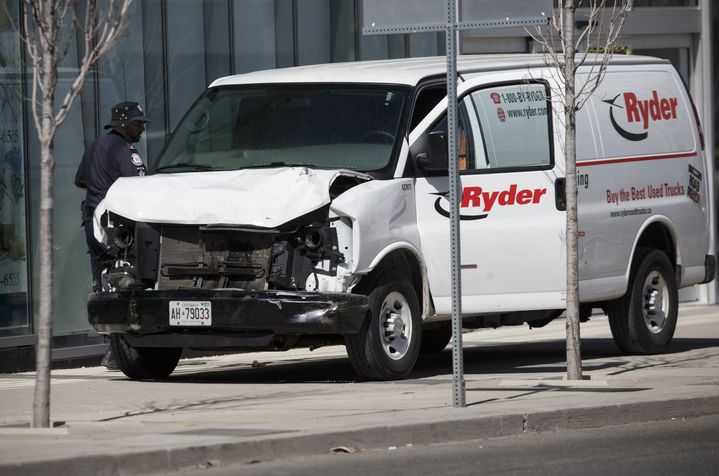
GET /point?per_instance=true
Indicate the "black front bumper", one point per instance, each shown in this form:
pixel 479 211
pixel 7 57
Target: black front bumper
pixel 144 314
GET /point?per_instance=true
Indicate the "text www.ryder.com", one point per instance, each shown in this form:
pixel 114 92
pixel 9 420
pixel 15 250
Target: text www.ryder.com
pixel 527 112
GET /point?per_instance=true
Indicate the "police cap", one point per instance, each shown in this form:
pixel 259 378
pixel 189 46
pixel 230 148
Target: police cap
pixel 125 112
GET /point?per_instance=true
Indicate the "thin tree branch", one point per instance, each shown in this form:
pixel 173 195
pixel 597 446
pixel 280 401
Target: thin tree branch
pixel 593 47
pixel 92 54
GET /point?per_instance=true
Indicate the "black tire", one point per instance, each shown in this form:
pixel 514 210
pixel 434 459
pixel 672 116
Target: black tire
pixel 644 319
pixel 435 339
pixel 387 346
pixel 144 363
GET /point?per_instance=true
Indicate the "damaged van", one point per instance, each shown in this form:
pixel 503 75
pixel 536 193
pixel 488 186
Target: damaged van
pixel 309 206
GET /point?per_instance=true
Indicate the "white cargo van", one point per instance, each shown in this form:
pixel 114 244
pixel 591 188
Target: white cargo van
pixel 308 206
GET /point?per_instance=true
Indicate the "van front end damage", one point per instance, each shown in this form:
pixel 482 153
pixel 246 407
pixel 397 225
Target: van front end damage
pixel 246 278
pixel 194 283
pixel 272 320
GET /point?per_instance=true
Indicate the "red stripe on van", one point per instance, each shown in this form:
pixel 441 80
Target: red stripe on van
pixel 636 159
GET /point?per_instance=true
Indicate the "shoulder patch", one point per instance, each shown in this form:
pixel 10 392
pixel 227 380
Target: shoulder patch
pixel 136 159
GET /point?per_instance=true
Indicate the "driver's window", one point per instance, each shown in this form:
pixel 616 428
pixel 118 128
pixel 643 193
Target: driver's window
pixel 509 126
pixel 465 153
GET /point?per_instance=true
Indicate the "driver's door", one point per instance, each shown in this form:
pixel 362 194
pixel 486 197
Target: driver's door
pixel 512 228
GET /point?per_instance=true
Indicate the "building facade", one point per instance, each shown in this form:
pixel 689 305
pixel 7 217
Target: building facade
pixel 170 52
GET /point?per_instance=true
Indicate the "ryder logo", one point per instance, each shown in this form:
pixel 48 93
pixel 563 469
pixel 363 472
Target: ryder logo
pixel 641 112
pixel 476 203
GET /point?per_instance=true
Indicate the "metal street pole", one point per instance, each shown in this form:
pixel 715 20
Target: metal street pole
pixel 458 390
pixel 402 17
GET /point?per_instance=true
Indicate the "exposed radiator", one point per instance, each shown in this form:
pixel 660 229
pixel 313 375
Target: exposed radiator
pixel 191 257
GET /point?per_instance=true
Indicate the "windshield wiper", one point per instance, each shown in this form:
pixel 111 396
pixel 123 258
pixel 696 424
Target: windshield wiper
pixel 183 165
pixel 280 164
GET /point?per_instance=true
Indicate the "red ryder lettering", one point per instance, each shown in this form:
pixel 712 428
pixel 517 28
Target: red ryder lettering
pixel 475 197
pixel 655 109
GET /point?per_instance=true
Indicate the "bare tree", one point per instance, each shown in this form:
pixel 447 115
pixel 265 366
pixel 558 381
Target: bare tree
pixel 50 27
pixel 596 41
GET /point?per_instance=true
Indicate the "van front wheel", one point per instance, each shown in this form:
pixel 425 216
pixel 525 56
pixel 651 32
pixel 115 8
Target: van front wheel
pixel 144 363
pixel 644 319
pixel 435 340
pixel 387 346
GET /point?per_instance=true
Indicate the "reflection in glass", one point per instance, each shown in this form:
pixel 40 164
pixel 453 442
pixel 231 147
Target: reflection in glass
pixel 322 126
pixel 13 262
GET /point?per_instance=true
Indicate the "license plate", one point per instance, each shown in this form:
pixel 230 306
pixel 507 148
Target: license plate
pixel 190 313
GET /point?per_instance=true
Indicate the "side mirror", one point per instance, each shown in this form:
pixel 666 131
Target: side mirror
pixel 435 159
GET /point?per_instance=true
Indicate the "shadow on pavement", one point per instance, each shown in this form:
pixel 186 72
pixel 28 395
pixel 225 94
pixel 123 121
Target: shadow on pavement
pixel 495 361
pixel 495 358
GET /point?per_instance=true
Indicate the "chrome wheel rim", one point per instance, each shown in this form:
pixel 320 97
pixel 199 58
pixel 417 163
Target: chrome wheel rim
pixel 655 302
pixel 395 325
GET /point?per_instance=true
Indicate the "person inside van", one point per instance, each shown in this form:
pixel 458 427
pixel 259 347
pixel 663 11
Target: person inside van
pixel 462 156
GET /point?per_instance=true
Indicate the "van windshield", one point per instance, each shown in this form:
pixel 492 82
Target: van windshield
pixel 325 126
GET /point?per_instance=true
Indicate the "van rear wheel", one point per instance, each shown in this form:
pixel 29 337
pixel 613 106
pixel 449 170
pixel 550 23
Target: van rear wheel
pixel 644 319
pixel 387 345
pixel 144 363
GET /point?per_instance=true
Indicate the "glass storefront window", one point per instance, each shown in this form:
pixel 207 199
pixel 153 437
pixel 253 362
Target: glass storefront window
pixel 72 265
pixel 343 29
pixel 185 53
pixel 121 76
pixel 254 34
pixel 426 44
pixel 664 3
pixel 152 58
pixel 13 257
pixel 313 32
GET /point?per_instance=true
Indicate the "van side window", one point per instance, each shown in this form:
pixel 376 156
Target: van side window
pixel 425 102
pixel 509 126
pixel 506 126
pixel 465 153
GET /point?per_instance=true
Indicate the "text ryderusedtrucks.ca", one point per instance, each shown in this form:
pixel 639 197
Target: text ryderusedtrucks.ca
pixel 309 206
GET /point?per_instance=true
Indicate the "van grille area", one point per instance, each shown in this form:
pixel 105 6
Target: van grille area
pixel 191 257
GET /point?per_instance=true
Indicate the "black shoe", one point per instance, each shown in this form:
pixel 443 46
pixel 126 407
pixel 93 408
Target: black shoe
pixel 108 360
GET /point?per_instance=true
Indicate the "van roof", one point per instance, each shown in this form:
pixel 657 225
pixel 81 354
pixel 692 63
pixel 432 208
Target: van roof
pixel 405 71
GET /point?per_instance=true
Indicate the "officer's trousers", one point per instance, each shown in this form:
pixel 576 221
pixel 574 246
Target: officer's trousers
pixel 95 249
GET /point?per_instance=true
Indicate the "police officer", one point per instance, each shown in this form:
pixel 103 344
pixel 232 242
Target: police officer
pixel 108 158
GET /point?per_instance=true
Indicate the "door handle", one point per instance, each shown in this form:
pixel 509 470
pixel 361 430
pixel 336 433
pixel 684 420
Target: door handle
pixel 560 193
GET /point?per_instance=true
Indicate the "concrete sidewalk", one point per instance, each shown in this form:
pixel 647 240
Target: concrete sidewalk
pixel 250 407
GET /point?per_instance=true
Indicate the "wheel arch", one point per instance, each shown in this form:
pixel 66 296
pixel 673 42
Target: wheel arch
pixel 657 233
pixel 407 260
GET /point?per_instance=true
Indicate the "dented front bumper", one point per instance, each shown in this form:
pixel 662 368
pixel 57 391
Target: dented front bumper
pixel 236 315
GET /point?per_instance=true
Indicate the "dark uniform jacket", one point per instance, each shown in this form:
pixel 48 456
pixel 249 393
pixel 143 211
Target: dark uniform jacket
pixel 105 160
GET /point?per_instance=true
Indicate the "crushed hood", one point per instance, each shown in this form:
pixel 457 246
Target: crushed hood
pixel 264 198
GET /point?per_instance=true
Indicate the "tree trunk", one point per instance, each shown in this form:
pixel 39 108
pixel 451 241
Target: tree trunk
pixel 574 358
pixel 41 405
pixel 45 21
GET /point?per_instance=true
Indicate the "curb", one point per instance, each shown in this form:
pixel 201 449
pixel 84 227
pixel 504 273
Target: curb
pixel 451 429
